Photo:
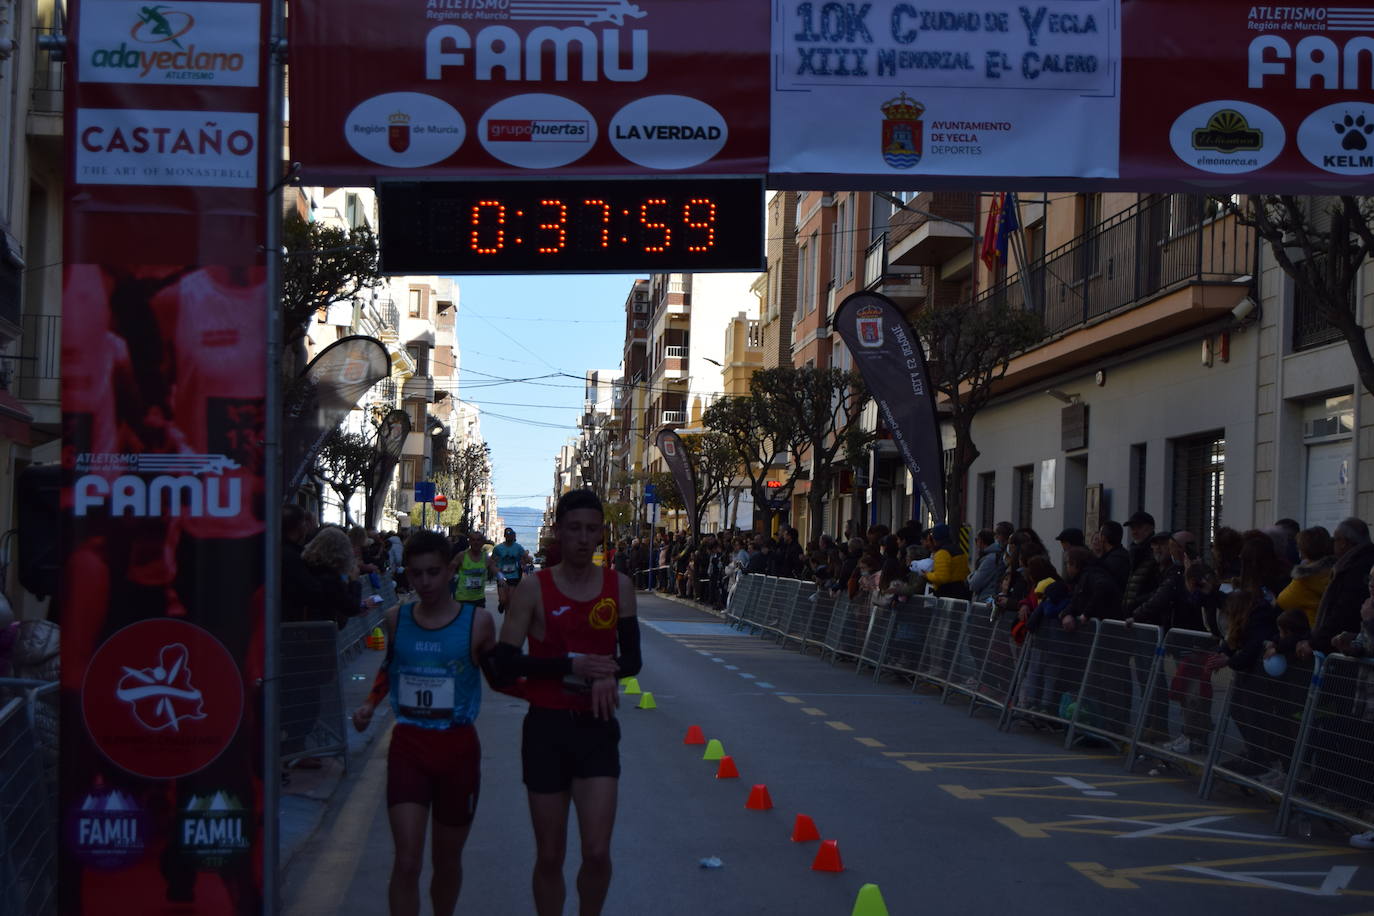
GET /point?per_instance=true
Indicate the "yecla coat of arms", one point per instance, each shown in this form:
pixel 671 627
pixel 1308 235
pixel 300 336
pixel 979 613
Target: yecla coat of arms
pixel 903 138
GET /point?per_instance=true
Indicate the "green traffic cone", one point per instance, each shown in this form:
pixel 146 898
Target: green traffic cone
pixel 714 751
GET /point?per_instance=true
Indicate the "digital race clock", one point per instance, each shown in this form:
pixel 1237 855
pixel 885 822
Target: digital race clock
pixel 582 226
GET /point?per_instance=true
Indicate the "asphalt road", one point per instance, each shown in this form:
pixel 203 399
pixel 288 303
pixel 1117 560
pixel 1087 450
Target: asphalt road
pixel 939 809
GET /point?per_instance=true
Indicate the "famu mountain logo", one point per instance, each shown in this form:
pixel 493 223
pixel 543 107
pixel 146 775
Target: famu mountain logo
pixel 137 42
pixel 213 829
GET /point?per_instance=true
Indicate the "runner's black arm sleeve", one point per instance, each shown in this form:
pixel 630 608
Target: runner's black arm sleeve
pixel 505 663
pixel 627 634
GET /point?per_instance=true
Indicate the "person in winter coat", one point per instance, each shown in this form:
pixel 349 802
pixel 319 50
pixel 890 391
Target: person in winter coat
pixel 1144 570
pixel 1094 593
pixel 949 576
pixel 1312 574
pixel 987 572
pixel 1339 610
pixel 1251 623
pixel 1169 595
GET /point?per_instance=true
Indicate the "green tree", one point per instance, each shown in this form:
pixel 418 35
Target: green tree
pixel 344 462
pixel 669 496
pixel 968 349
pixel 323 265
pixel 814 416
pixel 747 428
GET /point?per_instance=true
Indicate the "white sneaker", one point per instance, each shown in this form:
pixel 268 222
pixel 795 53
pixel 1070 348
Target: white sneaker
pixel 1180 745
pixel 1363 840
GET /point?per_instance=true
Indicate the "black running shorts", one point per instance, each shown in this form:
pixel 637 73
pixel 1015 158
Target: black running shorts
pixel 561 745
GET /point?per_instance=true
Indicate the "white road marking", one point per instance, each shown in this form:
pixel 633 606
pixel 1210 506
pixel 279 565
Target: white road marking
pixel 732 667
pixel 745 674
pixel 1154 828
pixel 1334 881
pixel 720 660
pixel 1085 788
pixel 705 652
pixel 765 686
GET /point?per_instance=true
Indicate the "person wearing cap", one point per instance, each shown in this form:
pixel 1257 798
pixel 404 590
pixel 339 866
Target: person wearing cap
pixel 510 559
pixel 948 575
pixel 1144 577
pixel 1070 538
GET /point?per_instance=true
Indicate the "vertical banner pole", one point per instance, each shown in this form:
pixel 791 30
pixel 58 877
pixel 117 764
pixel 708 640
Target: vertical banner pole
pixel 272 470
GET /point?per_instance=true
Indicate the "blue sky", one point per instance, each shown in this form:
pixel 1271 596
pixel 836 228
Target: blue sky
pixel 523 326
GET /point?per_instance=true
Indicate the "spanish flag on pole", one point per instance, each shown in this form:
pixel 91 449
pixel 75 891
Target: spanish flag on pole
pixel 1002 222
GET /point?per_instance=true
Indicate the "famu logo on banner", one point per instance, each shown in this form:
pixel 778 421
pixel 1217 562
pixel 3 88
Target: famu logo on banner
pixel 138 42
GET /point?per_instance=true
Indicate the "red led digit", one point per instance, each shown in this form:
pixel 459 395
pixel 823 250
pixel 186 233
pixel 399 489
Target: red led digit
pixel 644 221
pixel 605 220
pixel 499 240
pixel 705 220
pixel 558 228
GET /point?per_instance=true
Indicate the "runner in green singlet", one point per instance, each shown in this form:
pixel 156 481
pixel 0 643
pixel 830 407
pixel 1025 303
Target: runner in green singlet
pixel 472 569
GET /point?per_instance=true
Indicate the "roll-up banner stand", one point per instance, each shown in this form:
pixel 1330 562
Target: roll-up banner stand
pixel 171 145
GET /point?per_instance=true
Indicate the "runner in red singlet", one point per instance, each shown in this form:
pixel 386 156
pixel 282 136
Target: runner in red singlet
pixel 583 634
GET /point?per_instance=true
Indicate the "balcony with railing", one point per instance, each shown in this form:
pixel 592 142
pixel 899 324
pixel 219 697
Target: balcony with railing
pixel 45 93
pixel 1169 263
pixel 905 286
pixel 674 416
pixel 934 227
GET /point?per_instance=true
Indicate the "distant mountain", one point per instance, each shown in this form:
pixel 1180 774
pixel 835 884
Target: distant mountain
pixel 526 522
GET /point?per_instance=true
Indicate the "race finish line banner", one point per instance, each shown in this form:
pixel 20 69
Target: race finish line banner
pixel 1135 95
pixel 164 377
pixel 493 88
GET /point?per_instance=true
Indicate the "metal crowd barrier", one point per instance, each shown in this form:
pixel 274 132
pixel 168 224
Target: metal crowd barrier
pixel 28 818
pixel 1305 739
pixel 311 695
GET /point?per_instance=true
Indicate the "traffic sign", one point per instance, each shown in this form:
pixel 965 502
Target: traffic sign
pixel 440 503
pixel 424 491
pixel 650 494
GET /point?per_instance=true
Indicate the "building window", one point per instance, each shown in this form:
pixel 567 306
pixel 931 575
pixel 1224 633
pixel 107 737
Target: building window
pixel 987 497
pixel 419 353
pixel 416 301
pixel 418 415
pixel 407 472
pixel 1310 327
pixel 1024 480
pixel 1199 485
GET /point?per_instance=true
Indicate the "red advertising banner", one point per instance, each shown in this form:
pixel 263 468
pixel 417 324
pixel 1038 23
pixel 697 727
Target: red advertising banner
pixel 164 383
pixel 1251 97
pixel 528 87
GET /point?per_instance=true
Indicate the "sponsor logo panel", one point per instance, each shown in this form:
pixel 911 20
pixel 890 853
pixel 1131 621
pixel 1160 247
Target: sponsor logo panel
pixel 107 829
pixel 1227 137
pixel 159 43
pixel 129 146
pixel 212 830
pixel 537 131
pixel 1339 138
pixel 405 129
pixel 668 132
pixel 169 485
pixel 162 698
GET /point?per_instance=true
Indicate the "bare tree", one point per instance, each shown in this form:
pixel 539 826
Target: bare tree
pixel 968 349
pixel 1321 242
pixel 464 472
pixel 714 462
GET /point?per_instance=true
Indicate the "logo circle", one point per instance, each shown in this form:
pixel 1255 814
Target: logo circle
pixel 668 132
pixel 162 698
pixel 537 131
pixel 1227 137
pixel 161 26
pixel 604 615
pixel 1339 138
pixel 405 129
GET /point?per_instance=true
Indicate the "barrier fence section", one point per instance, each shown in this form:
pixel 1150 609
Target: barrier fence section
pixel 28 803
pixel 1305 738
pixel 311 696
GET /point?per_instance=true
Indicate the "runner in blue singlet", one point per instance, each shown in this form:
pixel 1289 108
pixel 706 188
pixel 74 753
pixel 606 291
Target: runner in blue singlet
pixel 511 561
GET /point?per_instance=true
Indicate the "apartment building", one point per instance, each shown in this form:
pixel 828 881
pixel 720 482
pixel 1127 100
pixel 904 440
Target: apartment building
pixel 779 282
pixel 632 394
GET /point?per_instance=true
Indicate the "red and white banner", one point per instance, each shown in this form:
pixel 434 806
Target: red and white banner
pixel 164 381
pixel 527 87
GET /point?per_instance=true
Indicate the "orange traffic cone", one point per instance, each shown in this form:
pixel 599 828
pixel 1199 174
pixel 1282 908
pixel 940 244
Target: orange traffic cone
pixel 804 829
pixel 727 770
pixel 759 800
pixel 694 735
pixel 828 857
